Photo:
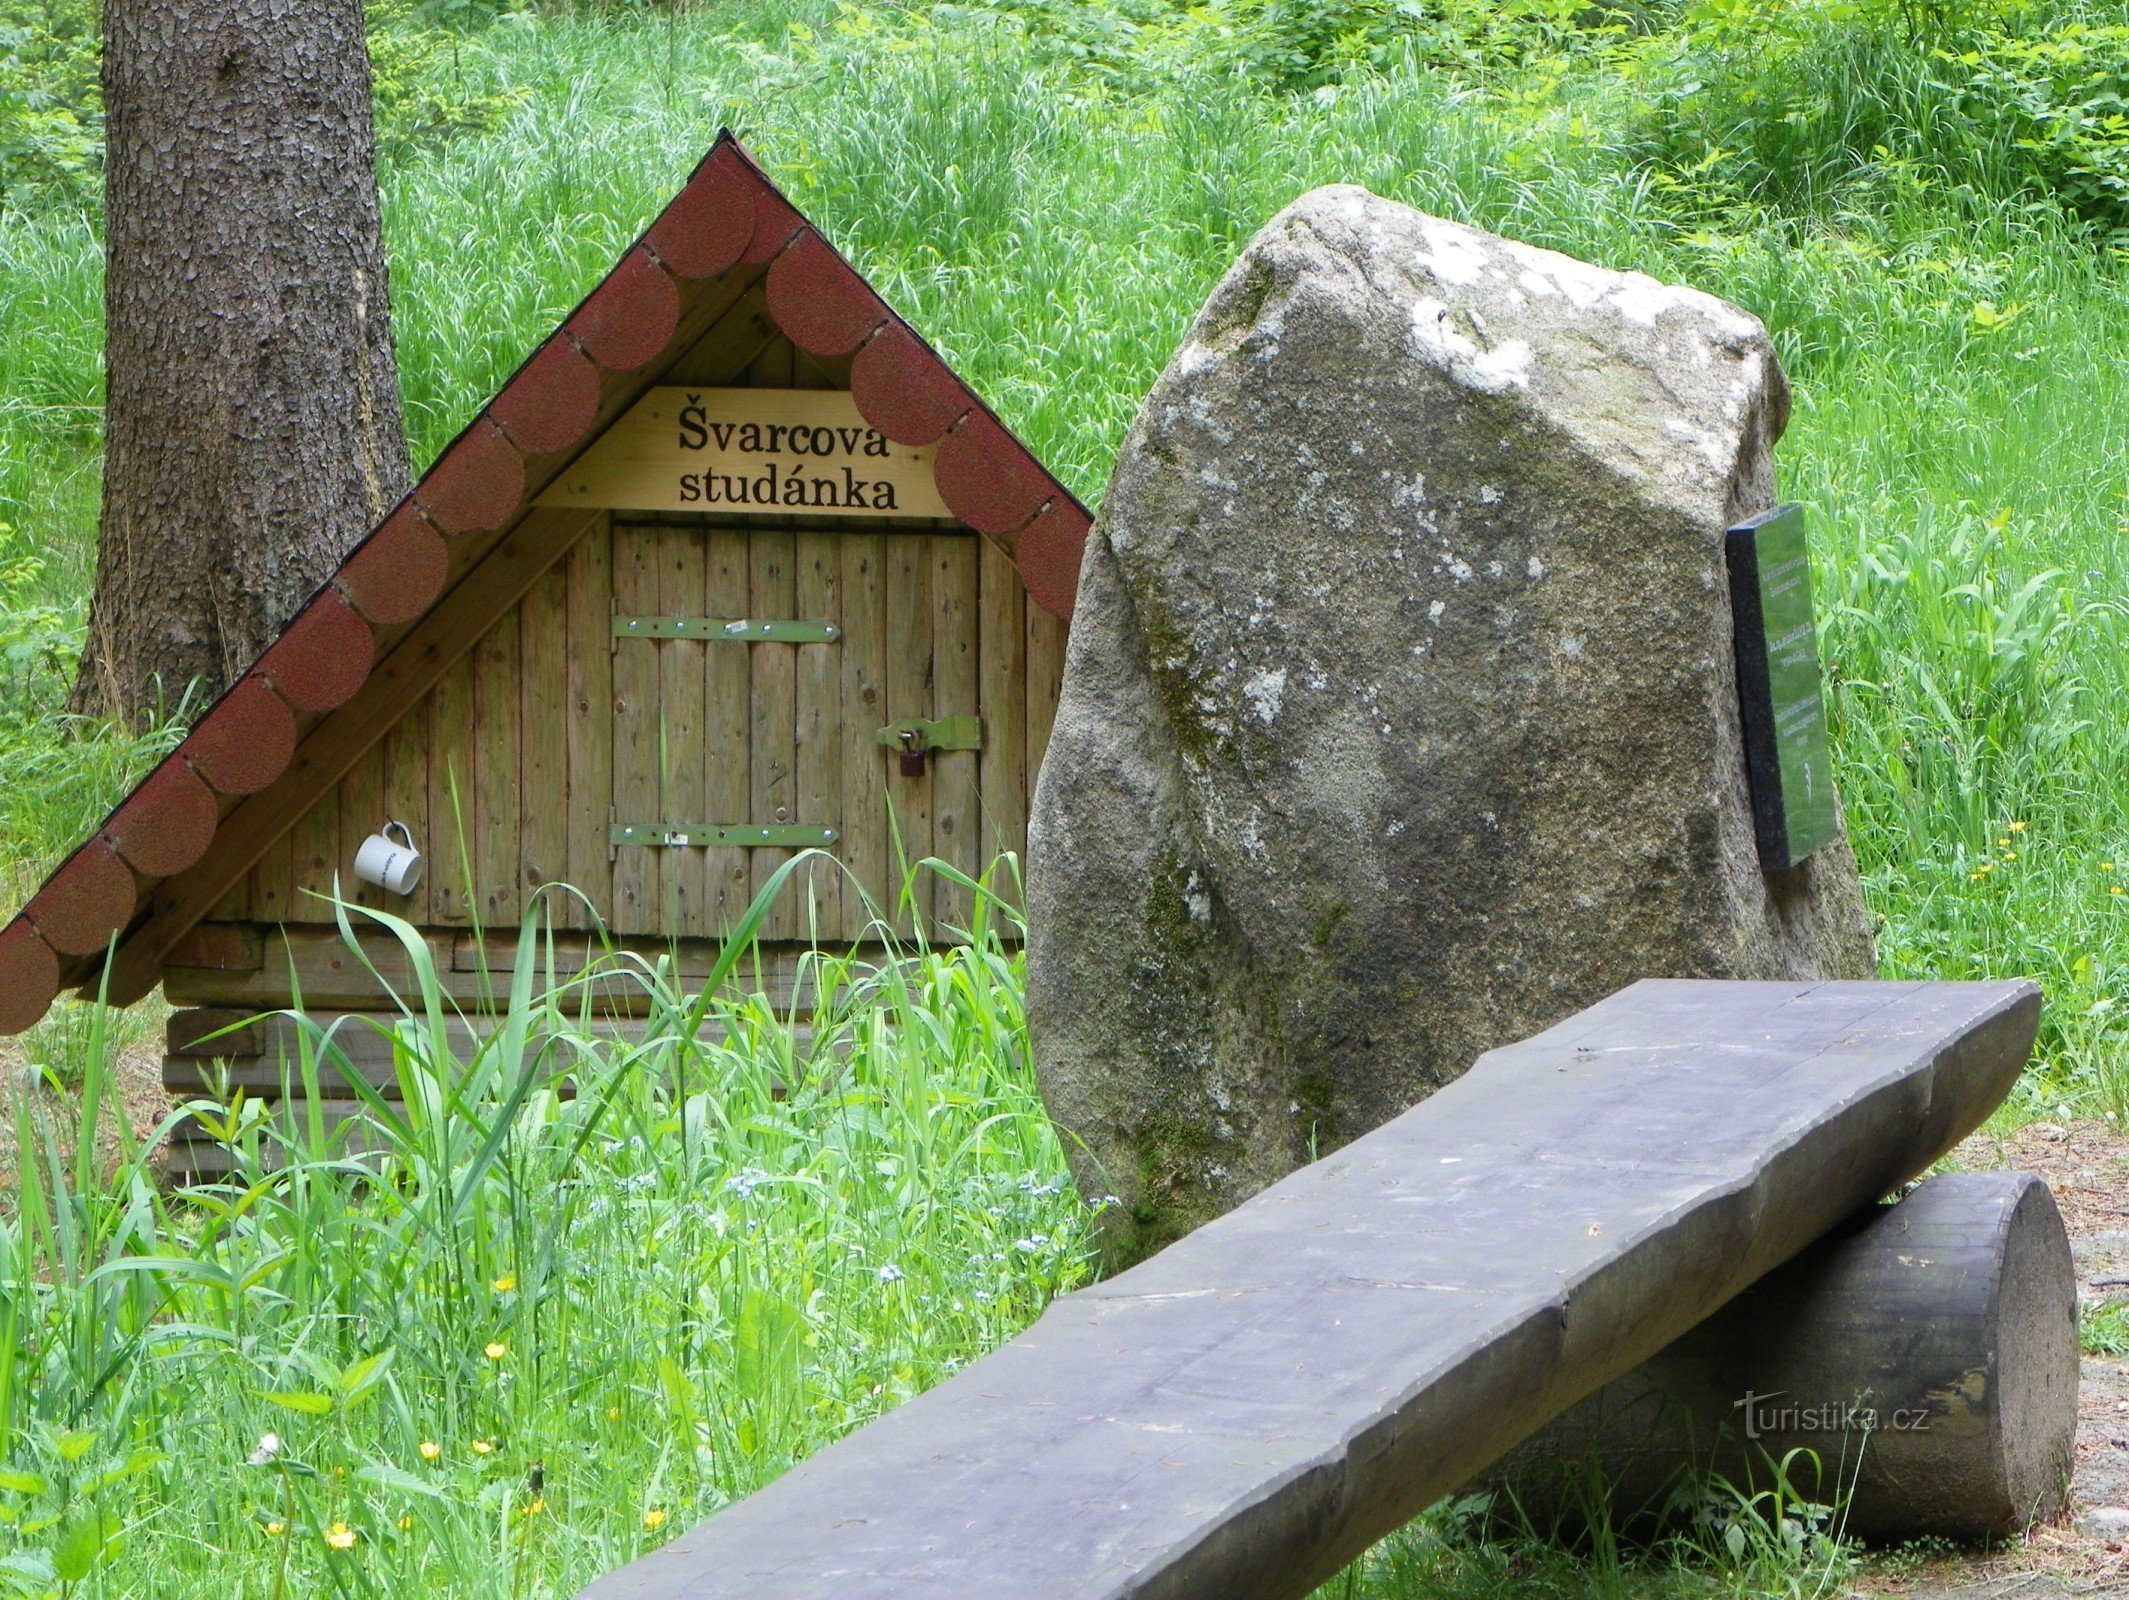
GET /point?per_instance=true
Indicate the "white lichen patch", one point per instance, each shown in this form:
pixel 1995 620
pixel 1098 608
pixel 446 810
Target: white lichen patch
pixel 1266 693
pixel 1491 371
pixel 1453 254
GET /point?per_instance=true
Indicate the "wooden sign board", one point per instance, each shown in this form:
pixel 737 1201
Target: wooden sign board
pixel 1787 756
pixel 803 452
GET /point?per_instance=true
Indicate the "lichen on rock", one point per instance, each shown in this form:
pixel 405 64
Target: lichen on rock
pixel 1400 716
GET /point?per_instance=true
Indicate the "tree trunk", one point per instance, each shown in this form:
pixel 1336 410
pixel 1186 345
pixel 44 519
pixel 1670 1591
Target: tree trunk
pixel 253 427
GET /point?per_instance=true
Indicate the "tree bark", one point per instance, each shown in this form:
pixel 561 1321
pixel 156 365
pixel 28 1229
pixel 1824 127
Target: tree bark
pixel 252 430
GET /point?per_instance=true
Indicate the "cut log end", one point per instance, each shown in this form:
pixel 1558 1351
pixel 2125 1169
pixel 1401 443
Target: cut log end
pixel 1925 1357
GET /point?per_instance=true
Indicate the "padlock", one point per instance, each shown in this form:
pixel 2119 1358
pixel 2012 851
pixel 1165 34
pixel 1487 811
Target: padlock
pixel 912 755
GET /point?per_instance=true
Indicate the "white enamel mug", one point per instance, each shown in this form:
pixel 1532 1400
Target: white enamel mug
pixel 394 865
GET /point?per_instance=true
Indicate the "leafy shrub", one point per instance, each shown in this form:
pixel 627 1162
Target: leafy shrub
pixel 1851 106
pixel 39 641
pixel 1278 45
pixel 1305 44
pixel 429 81
pixel 51 100
pixel 51 109
pixel 2064 96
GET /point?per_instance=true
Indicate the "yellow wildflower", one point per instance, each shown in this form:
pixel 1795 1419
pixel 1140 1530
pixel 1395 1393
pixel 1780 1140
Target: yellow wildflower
pixel 533 1508
pixel 505 1283
pixel 496 1350
pixel 2018 827
pixel 2010 855
pixel 1984 869
pixel 654 1518
pixel 2106 866
pixel 276 1528
pixel 2118 889
pixel 341 1536
pixel 405 1523
pixel 481 1447
pixel 613 1413
pixel 430 1449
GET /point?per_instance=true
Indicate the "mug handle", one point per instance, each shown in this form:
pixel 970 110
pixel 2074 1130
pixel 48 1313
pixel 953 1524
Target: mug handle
pixel 406 834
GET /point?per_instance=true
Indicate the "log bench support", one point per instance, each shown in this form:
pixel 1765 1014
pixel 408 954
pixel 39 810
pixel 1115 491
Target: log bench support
pixel 1924 1354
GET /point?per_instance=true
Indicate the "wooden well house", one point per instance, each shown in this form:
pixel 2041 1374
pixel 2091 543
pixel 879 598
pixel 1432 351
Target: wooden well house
pixel 733 566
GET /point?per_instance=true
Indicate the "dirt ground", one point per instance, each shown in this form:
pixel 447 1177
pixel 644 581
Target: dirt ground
pixel 140 1087
pixel 2087 1165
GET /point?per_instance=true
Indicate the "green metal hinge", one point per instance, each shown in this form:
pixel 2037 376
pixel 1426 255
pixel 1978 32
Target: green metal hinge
pixel 726 630
pixel 724 835
pixel 914 734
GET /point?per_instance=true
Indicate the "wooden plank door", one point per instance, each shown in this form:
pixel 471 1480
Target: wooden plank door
pixel 777 726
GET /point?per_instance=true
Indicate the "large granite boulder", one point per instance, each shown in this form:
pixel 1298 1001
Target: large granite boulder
pixel 1400 716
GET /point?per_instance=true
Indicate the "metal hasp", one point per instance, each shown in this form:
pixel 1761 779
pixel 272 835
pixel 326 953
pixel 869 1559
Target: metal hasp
pixel 725 835
pixel 1787 756
pixel 728 630
pixel 914 737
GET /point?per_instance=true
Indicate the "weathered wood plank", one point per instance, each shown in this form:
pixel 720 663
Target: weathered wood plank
pixel 909 694
pixel 235 905
pixel 1002 665
pixel 729 345
pixel 316 963
pixel 728 716
pixel 493 818
pixel 957 819
pixel 250 967
pixel 683 874
pixel 1254 1406
pixel 362 814
pixel 773 557
pixel 591 724
pixel 543 734
pixel 637 797
pixel 1046 657
pixel 406 799
pixel 273 878
pixel 314 859
pixel 818 757
pixel 225 947
pixel 863 660
pixel 776 968
pixel 452 851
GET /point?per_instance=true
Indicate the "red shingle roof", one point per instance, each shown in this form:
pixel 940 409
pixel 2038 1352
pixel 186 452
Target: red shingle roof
pixel 730 221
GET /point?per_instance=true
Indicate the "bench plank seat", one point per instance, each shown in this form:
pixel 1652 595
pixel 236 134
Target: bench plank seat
pixel 1251 1408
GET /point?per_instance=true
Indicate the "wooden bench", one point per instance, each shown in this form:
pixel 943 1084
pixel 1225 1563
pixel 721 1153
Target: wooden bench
pixel 1247 1411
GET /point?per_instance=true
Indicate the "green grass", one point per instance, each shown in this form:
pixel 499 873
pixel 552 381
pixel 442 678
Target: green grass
pixel 2103 1328
pixel 665 1270
pixel 1052 220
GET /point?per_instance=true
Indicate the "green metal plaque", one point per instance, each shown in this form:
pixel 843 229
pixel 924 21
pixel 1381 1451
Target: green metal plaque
pixel 726 630
pixel 724 835
pixel 1786 753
